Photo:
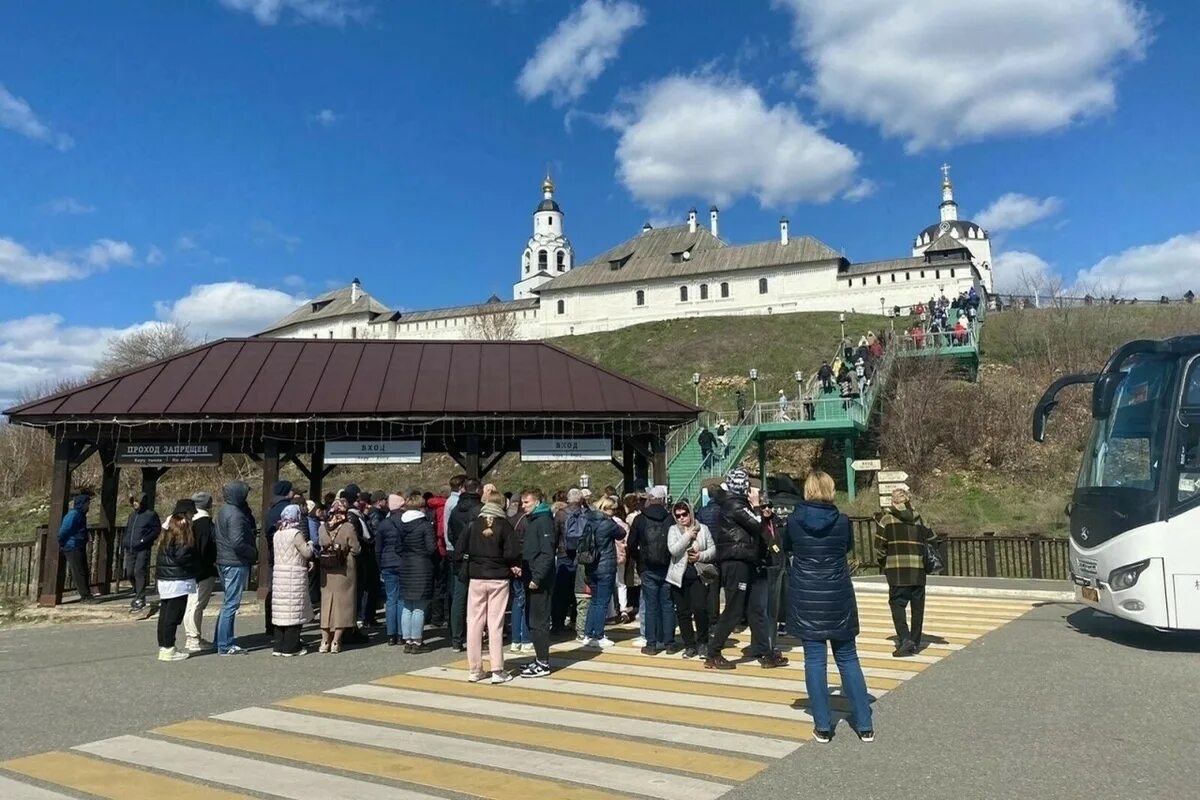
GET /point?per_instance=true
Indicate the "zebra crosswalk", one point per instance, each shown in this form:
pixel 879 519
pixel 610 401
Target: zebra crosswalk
pixel 606 724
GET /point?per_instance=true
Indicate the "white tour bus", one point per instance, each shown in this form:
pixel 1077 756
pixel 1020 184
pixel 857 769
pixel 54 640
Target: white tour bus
pixel 1135 511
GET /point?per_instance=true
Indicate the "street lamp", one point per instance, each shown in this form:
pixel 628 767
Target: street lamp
pixel 754 384
pixel 585 481
pixel 799 376
pixel 696 384
pixel 842 319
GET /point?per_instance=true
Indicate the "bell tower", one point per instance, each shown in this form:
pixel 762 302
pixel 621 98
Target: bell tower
pixel 548 253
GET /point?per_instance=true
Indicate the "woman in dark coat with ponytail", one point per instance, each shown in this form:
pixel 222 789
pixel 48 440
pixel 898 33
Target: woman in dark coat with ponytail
pixel 417 545
pixel 822 606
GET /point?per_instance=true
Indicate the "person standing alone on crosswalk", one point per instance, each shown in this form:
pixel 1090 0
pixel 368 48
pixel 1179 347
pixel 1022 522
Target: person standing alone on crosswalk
pixel 900 548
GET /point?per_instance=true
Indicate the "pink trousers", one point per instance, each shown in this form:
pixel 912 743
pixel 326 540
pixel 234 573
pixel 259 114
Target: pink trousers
pixel 486 603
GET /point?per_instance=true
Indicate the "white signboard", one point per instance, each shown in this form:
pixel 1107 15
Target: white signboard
pixel 885 501
pixel 866 464
pixel 892 476
pixel 566 449
pixel 373 452
pixel 888 488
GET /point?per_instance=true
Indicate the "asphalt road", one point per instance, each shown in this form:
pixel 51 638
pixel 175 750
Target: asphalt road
pixel 1060 703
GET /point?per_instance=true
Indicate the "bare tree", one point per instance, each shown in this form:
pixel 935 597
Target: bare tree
pixel 145 345
pixel 501 326
pixel 913 414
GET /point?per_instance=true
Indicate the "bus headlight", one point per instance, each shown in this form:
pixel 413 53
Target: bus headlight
pixel 1126 577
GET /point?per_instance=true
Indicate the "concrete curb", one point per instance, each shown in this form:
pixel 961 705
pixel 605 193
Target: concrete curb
pixel 935 590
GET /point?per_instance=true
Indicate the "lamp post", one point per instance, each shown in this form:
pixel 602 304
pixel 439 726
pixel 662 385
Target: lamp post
pixel 842 319
pixel 754 384
pixel 696 385
pixel 585 481
pixel 799 376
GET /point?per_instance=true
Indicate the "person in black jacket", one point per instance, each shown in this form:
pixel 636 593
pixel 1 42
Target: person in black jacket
pixel 237 552
pixel 492 557
pixel 464 513
pixel 537 570
pixel 742 554
pixel 707 443
pixel 176 569
pixel 206 572
pixel 141 531
pixel 418 545
pixel 387 553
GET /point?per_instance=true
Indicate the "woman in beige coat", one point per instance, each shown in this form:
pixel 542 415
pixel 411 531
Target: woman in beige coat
pixel 339 577
pixel 290 606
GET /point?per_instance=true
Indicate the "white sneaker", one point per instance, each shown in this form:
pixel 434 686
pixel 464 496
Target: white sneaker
pixel 603 641
pixel 475 677
pixel 197 645
pixel 583 640
pixel 527 647
pixel 501 677
pixel 171 654
pixel 516 647
pixel 639 641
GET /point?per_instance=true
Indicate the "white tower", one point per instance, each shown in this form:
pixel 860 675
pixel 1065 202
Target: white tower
pixel 949 208
pixel 967 233
pixel 548 253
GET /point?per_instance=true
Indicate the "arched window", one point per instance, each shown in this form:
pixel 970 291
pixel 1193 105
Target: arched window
pixel 704 291
pixel 640 297
pixel 543 259
pixel 683 294
pixel 550 221
pixel 561 258
pixel 762 285
pixel 952 272
pixel 525 261
pixel 878 279
pixel 562 307
pixel 724 290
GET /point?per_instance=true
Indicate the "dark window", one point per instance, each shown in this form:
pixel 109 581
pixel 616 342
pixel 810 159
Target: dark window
pixel 893 277
pixel 353 332
pixel 704 291
pixel 952 272
pixel 562 307
pixel 724 290
pixel 864 280
pixel 550 221
pixel 878 279
pixel 922 273
pixel 561 258
pixel 850 283
pixel 640 297
pixel 543 259
pixel 762 285
pixel 937 274
pixel 908 276
pixel 683 294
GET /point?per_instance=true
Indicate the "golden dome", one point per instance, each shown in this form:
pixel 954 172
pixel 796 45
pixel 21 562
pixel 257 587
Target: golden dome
pixel 548 185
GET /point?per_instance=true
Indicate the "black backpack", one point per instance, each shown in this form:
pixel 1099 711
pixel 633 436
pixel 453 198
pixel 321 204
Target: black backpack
pixel 587 551
pixel 654 542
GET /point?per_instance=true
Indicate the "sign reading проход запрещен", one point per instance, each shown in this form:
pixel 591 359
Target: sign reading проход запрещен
pixel 167 454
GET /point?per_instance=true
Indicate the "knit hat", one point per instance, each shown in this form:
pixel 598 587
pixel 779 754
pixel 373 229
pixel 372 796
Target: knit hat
pixel 738 481
pixel 395 502
pixel 350 493
pixel 281 488
pixel 203 501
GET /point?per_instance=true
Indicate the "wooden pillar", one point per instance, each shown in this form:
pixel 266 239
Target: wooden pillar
pixel 658 455
pixel 471 457
pixel 316 480
pixel 270 470
pixel 106 570
pixel 627 473
pixel 150 476
pixel 53 572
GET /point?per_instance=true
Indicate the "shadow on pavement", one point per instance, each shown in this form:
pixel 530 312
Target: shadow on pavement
pixel 1130 634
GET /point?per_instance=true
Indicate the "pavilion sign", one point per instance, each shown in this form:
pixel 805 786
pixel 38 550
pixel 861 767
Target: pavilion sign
pixel 566 449
pixel 167 454
pixel 373 452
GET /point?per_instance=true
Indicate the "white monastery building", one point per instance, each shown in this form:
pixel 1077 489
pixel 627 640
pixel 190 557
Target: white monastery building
pixel 668 273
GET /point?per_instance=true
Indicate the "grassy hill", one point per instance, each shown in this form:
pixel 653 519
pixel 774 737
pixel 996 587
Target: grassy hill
pixel 975 468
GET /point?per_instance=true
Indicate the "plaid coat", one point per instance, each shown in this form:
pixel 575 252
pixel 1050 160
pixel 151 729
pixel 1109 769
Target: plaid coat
pixel 900 536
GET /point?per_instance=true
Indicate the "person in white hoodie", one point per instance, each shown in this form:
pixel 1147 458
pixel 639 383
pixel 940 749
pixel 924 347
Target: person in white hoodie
pixel 693 577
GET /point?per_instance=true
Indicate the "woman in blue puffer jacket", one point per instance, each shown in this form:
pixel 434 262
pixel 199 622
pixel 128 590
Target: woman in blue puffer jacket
pixel 822 606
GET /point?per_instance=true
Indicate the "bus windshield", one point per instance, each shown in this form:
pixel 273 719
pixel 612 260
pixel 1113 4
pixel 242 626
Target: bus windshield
pixel 1126 450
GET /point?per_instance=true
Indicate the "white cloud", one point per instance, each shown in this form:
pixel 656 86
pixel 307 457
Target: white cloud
pixel 326 118
pixel 17 116
pixel 1147 271
pixel 20 266
pixel 936 72
pixel 155 256
pixel 69 205
pixel 296 282
pixel 714 138
pixel 579 50
pixel 1012 210
pixel 864 188
pixel 335 13
pixel 232 308
pixel 1022 272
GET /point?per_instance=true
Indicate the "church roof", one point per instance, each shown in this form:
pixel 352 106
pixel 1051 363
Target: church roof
pixel 887 265
pixel 332 304
pixel 946 242
pixel 962 225
pixel 549 205
pixel 657 254
pixel 493 305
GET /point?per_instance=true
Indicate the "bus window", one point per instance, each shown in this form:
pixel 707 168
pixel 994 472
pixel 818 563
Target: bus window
pixel 1188 484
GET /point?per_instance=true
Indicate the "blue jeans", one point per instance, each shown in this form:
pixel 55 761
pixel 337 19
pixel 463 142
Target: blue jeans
pixel 602 592
pixel 520 625
pixel 391 606
pixel 412 620
pixel 660 610
pixel 854 685
pixel 234 580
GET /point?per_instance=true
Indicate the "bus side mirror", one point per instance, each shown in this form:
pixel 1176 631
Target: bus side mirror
pixel 1103 393
pixel 1040 414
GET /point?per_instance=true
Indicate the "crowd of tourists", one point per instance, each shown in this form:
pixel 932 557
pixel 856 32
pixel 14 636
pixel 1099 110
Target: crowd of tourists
pixel 527 567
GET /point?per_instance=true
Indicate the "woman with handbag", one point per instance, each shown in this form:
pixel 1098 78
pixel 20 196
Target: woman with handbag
pixel 693 578
pixel 824 613
pixel 901 541
pixel 339 576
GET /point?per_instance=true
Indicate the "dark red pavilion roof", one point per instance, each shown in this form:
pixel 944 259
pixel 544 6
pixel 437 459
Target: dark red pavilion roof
pixel 296 378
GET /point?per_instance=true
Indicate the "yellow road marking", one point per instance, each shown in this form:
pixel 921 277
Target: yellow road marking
pixel 419 770
pixel 109 780
pixel 683 760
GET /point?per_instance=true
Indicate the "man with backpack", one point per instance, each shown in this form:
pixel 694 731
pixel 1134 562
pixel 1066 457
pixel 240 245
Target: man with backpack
pixel 648 547
pixel 570 523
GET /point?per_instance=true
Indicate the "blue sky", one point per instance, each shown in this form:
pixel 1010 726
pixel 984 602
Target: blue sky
pixel 215 161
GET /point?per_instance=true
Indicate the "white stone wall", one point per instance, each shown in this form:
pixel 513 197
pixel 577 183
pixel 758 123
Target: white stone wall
pixel 347 326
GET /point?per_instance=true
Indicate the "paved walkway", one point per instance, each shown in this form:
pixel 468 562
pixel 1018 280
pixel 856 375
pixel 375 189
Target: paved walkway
pixel 607 724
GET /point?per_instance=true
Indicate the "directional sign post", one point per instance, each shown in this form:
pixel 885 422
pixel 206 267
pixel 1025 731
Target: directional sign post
pixel 866 464
pixel 888 488
pixel 892 476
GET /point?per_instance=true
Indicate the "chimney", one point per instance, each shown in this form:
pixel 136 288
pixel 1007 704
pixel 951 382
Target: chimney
pixel 355 291
pixel 647 227
pixel 712 216
pixel 692 221
pixel 783 230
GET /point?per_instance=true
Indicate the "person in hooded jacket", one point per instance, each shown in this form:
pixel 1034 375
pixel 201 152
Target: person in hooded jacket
pixel 458 525
pixel 281 498
pixel 900 540
pixel 418 548
pixel 538 572
pixel 289 582
pixel 206 572
pixel 141 530
pixel 72 543
pixel 387 553
pixel 648 546
pixel 823 608
pixel 175 567
pixel 602 574
pixel 237 552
